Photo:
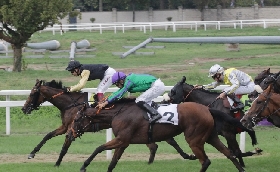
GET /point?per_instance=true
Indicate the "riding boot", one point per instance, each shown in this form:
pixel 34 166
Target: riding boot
pixel 100 97
pixel 154 113
pixel 236 100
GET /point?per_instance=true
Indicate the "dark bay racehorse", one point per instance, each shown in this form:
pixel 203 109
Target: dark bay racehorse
pixel 263 79
pixel 69 104
pixel 183 92
pixel 266 105
pixel 129 127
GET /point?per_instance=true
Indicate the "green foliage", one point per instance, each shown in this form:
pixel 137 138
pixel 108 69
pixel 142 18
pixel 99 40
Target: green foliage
pixel 92 20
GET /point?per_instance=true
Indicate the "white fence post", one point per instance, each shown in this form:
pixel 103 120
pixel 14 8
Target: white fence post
pixel 109 138
pixel 8 117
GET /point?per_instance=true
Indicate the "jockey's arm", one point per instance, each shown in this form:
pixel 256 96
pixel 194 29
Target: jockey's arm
pixel 84 77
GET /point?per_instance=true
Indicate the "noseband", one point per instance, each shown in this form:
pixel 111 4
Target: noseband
pixel 258 115
pixel 34 105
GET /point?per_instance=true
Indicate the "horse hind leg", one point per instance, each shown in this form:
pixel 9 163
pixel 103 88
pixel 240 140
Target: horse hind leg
pixel 198 149
pixel 173 143
pixel 234 147
pixel 216 142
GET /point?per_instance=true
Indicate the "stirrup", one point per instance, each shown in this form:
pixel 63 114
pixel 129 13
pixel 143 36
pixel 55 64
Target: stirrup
pixel 154 118
pixel 236 109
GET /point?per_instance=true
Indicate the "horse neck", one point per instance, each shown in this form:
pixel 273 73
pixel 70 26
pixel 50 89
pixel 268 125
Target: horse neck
pixel 59 99
pixel 201 97
pixel 275 100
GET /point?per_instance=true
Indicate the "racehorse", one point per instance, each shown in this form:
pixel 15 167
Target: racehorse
pixel 266 105
pixel 129 127
pixel 261 76
pixel 183 92
pixel 263 79
pixel 69 104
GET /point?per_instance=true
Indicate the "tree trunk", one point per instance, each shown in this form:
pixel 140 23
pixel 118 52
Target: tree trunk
pixel 161 4
pixel 17 57
pixel 133 12
pixel 100 5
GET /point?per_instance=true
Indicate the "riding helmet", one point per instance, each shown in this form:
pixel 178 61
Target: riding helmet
pixel 215 69
pixel 73 64
pixel 118 76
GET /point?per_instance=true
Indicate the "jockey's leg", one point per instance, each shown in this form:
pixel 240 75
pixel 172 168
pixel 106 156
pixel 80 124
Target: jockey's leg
pixel 154 113
pixel 237 101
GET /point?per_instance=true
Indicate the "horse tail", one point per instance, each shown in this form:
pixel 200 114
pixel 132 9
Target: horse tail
pixel 220 117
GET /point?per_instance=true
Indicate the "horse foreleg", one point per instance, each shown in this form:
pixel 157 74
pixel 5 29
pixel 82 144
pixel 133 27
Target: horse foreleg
pixel 113 144
pixel 215 142
pixel 234 147
pixel 117 155
pixel 63 151
pixel 40 145
pixel 153 149
pixel 58 131
pixel 173 143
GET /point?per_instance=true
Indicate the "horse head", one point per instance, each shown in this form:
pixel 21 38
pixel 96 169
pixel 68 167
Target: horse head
pixel 271 78
pixel 36 97
pixel 264 106
pixel 34 100
pixel 261 76
pixel 178 93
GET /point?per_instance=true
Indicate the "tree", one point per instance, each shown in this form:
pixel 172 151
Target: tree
pixel 19 19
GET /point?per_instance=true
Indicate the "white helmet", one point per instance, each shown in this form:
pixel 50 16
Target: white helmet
pixel 215 69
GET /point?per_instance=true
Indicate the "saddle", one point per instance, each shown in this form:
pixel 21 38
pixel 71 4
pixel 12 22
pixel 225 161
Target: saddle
pixel 237 114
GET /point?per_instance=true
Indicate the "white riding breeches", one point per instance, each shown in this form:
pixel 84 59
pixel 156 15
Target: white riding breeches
pixel 243 90
pixel 106 82
pixel 156 90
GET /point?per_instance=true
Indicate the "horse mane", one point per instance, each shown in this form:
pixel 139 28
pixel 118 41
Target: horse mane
pixel 125 100
pixel 54 84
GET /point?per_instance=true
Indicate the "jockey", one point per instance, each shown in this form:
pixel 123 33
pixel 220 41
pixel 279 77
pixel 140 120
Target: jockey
pixel 150 86
pixel 90 72
pixel 240 83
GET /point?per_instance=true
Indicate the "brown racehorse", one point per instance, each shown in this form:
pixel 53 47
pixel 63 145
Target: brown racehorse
pixel 266 105
pixel 69 104
pixel 129 127
pixel 183 92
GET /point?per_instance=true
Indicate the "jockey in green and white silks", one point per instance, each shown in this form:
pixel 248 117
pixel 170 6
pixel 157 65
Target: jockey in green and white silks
pixel 149 86
pixel 240 83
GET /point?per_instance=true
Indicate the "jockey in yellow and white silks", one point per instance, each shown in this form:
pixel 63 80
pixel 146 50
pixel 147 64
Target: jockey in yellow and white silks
pixel 240 83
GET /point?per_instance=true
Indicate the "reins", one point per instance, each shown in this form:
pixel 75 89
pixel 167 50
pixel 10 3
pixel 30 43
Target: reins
pixel 264 106
pixel 191 92
pixel 54 96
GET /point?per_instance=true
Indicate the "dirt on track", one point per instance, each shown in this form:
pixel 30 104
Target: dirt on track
pixel 43 158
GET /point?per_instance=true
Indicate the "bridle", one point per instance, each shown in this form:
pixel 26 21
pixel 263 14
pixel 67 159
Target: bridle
pixel 78 121
pixel 80 130
pixel 35 104
pixel 258 115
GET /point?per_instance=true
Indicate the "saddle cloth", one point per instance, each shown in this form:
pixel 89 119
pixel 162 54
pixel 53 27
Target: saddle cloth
pixel 169 114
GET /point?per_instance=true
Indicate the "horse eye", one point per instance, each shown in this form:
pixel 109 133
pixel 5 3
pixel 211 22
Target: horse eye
pixel 259 102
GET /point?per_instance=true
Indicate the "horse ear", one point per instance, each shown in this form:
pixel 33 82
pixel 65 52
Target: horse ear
pixel 183 80
pixel 268 70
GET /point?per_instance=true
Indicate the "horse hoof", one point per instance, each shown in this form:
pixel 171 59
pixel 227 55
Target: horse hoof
pixel 31 156
pixel 192 157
